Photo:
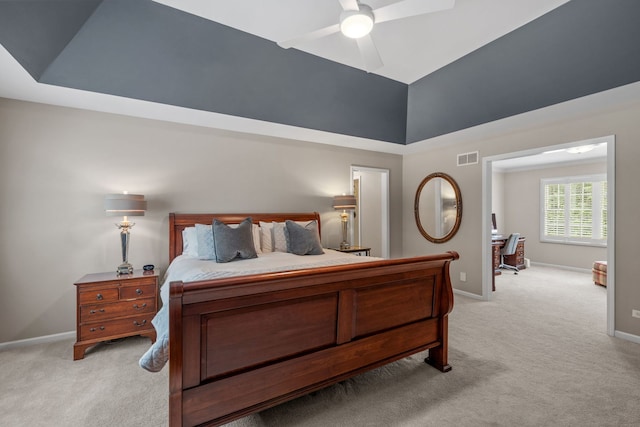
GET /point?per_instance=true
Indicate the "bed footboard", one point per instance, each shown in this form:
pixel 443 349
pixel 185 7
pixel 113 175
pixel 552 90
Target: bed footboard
pixel 243 344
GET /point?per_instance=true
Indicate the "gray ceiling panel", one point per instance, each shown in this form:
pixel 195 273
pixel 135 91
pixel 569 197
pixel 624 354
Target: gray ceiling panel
pixel 578 49
pixel 35 32
pixel 143 50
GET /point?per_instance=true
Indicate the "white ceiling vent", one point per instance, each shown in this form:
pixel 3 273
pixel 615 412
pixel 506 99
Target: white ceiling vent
pixel 468 158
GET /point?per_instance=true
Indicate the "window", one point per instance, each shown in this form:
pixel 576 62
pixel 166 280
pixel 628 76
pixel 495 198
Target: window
pixel 574 210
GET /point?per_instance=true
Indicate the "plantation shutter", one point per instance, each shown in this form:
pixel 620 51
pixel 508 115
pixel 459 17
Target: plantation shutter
pixel 554 210
pixel 581 209
pixel 574 210
pixel 603 207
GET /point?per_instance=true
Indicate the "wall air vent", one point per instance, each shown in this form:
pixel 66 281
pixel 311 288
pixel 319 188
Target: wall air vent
pixel 468 158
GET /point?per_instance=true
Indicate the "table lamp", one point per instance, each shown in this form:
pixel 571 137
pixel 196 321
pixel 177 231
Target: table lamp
pixel 344 202
pixel 125 205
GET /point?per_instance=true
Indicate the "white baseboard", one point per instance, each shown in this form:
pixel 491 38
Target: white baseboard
pixel 467 294
pixel 37 340
pixel 563 267
pixel 626 336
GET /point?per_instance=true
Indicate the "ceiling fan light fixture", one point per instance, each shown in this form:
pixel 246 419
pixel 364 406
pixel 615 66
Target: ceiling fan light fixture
pixel 357 23
pixel 581 149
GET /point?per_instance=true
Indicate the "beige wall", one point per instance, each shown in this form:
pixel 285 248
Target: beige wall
pixel 415 168
pixel 468 242
pixel 522 215
pixel 57 163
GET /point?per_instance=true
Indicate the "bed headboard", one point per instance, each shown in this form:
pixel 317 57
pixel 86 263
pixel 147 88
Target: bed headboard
pixel 179 221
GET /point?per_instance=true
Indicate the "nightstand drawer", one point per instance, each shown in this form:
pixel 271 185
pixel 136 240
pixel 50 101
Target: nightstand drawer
pixel 99 295
pixel 114 328
pixel 140 291
pixel 96 312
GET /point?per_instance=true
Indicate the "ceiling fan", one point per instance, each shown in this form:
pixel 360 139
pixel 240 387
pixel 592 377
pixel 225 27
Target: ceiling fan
pixel 357 20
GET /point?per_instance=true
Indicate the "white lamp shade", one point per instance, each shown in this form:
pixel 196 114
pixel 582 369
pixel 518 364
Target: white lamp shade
pixel 344 202
pixel 124 204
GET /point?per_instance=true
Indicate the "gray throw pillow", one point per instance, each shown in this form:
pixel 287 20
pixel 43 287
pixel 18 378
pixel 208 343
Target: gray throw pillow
pixel 231 243
pixel 302 240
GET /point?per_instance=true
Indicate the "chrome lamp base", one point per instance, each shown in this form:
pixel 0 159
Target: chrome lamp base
pixel 344 218
pixel 125 268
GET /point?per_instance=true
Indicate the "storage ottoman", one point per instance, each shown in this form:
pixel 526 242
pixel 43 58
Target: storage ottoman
pixel 599 271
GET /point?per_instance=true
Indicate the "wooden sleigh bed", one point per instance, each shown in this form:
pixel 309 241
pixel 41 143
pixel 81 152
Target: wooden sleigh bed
pixel 242 344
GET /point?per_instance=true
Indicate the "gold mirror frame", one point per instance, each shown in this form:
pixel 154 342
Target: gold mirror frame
pixel 458 207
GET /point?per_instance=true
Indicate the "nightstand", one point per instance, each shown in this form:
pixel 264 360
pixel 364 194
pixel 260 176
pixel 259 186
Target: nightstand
pixel 111 306
pixel 356 250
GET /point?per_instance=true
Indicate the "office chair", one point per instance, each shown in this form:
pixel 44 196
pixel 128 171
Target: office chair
pixel 509 249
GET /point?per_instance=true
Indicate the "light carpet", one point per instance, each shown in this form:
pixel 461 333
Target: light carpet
pixel 536 355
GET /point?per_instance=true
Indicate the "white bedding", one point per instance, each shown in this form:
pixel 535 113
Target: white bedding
pixel 189 269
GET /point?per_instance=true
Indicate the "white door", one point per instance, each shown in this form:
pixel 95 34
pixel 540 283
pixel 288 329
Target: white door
pixel 371 217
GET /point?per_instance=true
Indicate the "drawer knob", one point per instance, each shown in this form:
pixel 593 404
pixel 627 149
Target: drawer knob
pixel 144 322
pixel 139 307
pixel 139 291
pixel 97 311
pixel 95 329
pixel 99 297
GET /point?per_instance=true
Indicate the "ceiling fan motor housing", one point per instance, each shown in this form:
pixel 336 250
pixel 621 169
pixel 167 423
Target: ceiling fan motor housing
pixel 357 23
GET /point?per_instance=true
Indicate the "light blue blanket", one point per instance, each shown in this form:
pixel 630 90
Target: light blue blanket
pixel 190 269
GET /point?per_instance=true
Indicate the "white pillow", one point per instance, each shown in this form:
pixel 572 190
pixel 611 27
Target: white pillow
pixel 190 242
pixel 206 248
pixel 272 235
pixel 279 239
pixel 255 230
pixel 265 236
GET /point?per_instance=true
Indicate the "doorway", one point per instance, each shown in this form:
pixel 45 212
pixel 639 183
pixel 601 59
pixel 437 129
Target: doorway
pixel 487 185
pixel 371 216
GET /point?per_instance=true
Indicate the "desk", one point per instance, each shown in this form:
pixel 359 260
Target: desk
pixel 517 259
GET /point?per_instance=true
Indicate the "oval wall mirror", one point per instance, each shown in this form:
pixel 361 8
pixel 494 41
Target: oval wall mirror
pixel 438 207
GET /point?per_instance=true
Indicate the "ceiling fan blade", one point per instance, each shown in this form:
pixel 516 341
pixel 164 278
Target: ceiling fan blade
pixel 407 8
pixel 322 32
pixel 349 4
pixel 369 53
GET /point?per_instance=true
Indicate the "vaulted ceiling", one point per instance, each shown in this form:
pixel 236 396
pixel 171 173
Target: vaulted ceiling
pixel 442 72
pixel 410 48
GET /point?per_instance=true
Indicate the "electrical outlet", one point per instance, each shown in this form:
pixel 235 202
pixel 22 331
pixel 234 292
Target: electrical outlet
pixel 463 276
pixel 635 313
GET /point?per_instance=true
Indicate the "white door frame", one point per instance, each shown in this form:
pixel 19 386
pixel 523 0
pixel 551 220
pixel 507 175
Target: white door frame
pixel 487 255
